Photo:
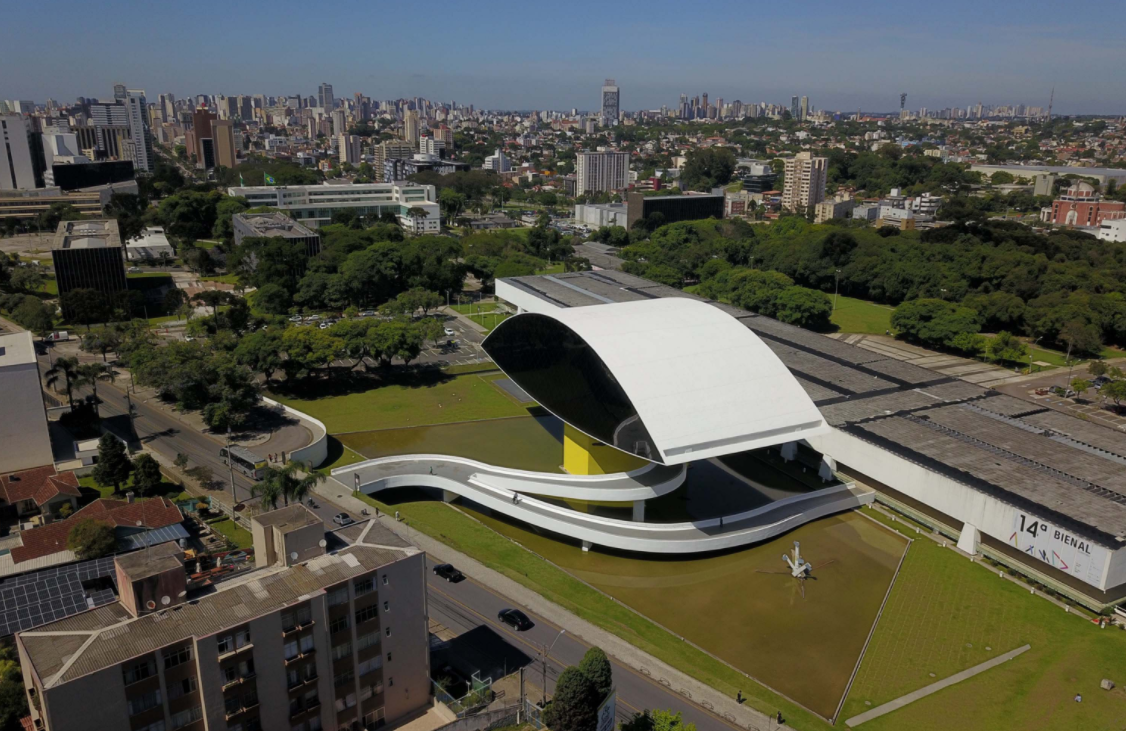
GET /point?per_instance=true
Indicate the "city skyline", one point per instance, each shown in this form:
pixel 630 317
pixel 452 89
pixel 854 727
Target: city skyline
pixel 847 60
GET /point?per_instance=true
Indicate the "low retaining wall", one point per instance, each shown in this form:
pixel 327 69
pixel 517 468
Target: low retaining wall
pixel 485 721
pixel 317 451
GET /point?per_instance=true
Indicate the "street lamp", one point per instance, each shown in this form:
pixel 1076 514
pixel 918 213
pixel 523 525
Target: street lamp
pixel 543 658
pixel 836 288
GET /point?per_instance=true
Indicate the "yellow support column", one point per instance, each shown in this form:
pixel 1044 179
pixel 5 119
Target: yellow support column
pixel 585 456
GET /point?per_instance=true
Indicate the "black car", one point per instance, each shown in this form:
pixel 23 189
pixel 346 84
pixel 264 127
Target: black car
pixel 448 572
pixel 515 619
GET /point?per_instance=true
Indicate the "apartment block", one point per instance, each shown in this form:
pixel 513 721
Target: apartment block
pixel 804 184
pixel 306 640
pixel 601 171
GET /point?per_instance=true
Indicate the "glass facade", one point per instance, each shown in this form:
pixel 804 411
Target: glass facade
pixel 563 373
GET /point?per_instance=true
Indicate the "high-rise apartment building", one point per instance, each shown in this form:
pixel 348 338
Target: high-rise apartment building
pixel 226 149
pixel 325 99
pixel 498 162
pixel 389 150
pixel 804 184
pixel 306 640
pixel 140 133
pixel 601 171
pixel 18 166
pixel 611 103
pixel 339 122
pixel 411 128
pixel 428 145
pixel 350 147
pixel 445 134
pixel 804 109
pixel 795 108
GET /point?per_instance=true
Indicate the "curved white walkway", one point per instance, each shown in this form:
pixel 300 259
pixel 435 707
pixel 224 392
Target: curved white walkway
pixel 505 491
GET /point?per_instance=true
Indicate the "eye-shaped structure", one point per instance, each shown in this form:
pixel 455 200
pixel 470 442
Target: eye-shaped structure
pixel 670 380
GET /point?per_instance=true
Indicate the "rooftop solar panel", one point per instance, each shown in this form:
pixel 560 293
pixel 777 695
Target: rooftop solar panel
pixel 34 599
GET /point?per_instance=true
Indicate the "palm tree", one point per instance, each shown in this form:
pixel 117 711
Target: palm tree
pixel 287 483
pixel 67 369
pixel 88 374
pixel 270 489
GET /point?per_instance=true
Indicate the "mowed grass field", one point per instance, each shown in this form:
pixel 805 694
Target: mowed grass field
pixel 860 316
pixel 945 615
pixel 391 406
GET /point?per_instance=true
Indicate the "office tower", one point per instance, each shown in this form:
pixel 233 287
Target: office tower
pixel 139 131
pixel 498 162
pixel 611 103
pixel 228 107
pixel 60 145
pixel 89 255
pixel 411 127
pixel 795 108
pixel 804 109
pixel 324 97
pixel 168 107
pixel 202 122
pixel 245 108
pixel 804 185
pixel 339 122
pixel 18 166
pixel 601 171
pixel 310 640
pixel 226 149
pixel 350 147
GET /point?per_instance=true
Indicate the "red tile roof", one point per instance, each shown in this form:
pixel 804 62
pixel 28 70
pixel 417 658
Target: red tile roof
pixel 51 538
pixel 40 484
pixel 27 724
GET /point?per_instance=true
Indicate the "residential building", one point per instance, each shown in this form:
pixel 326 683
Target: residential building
pixel 498 162
pixel 271 224
pixel 839 207
pixel 804 184
pixel 601 171
pixel 38 491
pixel 23 419
pixel 350 148
pixel 226 150
pixel 446 135
pixel 18 168
pixel 428 145
pixel 339 122
pixel 611 103
pixel 151 245
pixel 202 121
pixel 901 218
pixel 673 208
pixel 1113 230
pixel 318 641
pixel 1081 205
pixel 325 99
pixel 137 112
pixel 110 129
pixel 389 150
pixel 88 255
pixel 597 215
pixel 313 205
pixel 866 212
pixel 803 110
pixel 411 128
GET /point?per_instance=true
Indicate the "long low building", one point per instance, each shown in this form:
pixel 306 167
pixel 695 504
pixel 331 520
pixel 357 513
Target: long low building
pixel 1033 488
pixel 415 206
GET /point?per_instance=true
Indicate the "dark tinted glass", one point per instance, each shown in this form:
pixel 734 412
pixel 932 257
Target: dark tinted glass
pixel 563 373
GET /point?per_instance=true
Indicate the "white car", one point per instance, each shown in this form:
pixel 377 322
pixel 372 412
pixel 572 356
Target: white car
pixel 324 325
pixel 449 332
pixel 134 270
pixel 367 313
pixel 295 318
pixel 312 318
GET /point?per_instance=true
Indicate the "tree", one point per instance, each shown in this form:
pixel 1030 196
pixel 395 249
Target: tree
pixel 89 374
pixel 85 306
pixel 113 467
pixel 129 210
pixel 13 697
pixel 287 483
pixel 146 474
pixel 91 539
pixel 707 168
pixel 1005 348
pixel 274 299
pixel 212 298
pixel 596 666
pixel 804 307
pixel 260 352
pixel 65 368
pixel 935 322
pixel 1081 338
pixel 574 707
pixel 1115 391
pixel 35 315
pixel 1081 386
pixel 102 340
pixel 26 278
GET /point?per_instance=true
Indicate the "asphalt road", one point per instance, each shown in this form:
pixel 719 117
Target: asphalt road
pixel 467 605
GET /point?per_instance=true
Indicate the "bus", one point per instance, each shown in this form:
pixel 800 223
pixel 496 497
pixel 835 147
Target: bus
pixel 245 461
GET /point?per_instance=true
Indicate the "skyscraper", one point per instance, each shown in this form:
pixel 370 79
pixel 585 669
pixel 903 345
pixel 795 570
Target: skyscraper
pixel 804 185
pixel 226 151
pixel 17 166
pixel 804 108
pixel 137 110
pixel 411 128
pixel 324 97
pixel 795 109
pixel 350 148
pixel 611 101
pixel 601 171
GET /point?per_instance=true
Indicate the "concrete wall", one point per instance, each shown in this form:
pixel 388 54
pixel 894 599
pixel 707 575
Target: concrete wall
pixel 409 642
pixel 317 450
pixel 103 693
pixel 305 542
pixel 23 420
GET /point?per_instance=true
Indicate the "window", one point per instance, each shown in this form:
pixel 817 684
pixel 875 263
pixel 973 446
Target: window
pixel 233 705
pixel 388 631
pixel 342 651
pixel 296 617
pixel 387 606
pixel 389 657
pixel 139 671
pixel 390 682
pixel 367 613
pixel 365 586
pixel 289 650
pixel 338 625
pixel 182 688
pixel 373 719
pixel 311 699
pixel 374 663
pixel 385 579
pixel 189 715
pixel 236 641
pixel 337 597
pixel 315 723
pixel 144 702
pixel 177 656
pixel 369 640
pixel 306 644
pixel 230 674
pixel 343 679
pixel 154 726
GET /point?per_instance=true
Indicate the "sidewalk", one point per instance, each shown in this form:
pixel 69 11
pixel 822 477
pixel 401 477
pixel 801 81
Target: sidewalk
pixel 622 651
pixel 463 319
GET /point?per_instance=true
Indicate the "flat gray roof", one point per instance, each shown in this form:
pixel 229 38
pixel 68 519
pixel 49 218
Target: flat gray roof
pixel 1018 450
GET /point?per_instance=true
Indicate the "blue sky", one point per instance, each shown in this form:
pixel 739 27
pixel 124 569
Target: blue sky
pixel 534 55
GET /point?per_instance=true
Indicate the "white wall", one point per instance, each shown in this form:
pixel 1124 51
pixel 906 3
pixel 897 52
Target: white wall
pixel 24 440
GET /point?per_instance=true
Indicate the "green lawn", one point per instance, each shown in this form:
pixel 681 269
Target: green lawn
pixel 164 320
pixel 50 286
pixel 430 401
pixel 91 491
pixel 556 268
pixel 235 533
pixel 206 243
pixel 945 615
pixel 150 275
pixel 469 536
pixel 224 278
pixel 489 322
pixel 860 316
pixel 474 308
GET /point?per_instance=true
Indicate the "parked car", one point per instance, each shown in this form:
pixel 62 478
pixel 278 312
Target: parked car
pixel 295 318
pixel 449 332
pixel 367 313
pixel 1099 382
pixel 312 318
pixel 448 572
pixel 342 519
pixel 134 270
pixel 515 619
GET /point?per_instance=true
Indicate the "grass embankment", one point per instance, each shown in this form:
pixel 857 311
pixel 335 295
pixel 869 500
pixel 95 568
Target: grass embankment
pixel 860 316
pixel 231 279
pixel 945 615
pixel 236 534
pixel 417 402
pixel 92 491
pixel 464 534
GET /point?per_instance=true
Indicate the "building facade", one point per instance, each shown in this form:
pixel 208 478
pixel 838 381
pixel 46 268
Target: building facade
pixel 226 150
pixel 611 103
pixel 1082 206
pixel 601 214
pixel 88 255
pixel 350 149
pixel 839 207
pixel 137 112
pixel 17 160
pixel 498 162
pixel 324 641
pixel 23 420
pixel 602 171
pixel 804 184
pixel 313 205
pixel 273 224
pixel 674 208
pixel 389 150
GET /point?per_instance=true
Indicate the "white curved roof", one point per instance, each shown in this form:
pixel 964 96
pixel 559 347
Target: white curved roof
pixel 702 383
